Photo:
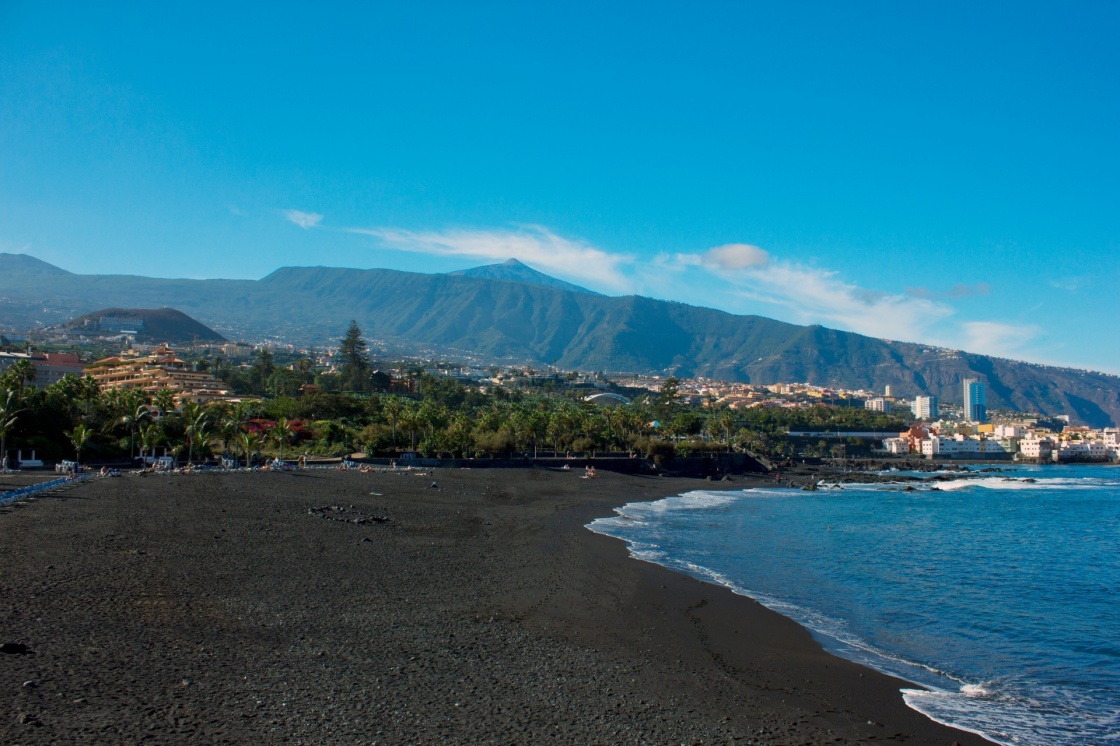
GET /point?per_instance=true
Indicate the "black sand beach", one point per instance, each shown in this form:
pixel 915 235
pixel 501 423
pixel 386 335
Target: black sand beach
pixel 301 608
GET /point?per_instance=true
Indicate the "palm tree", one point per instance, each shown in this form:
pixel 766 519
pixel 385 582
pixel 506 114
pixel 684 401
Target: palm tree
pixel 149 438
pixel 412 420
pixel 537 427
pixel 88 390
pixel 723 421
pixel 250 442
pixel 393 409
pixel 79 437
pixel 281 433
pixel 20 373
pixel 197 425
pixel 231 432
pixel 132 418
pixel 164 400
pixel 303 367
pixel 203 429
pixel 8 416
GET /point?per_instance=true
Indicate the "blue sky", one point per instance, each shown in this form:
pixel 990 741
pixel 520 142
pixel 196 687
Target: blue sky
pixel 940 173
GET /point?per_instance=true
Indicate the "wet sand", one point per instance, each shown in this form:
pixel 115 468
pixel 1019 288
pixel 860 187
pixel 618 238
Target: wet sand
pixel 300 608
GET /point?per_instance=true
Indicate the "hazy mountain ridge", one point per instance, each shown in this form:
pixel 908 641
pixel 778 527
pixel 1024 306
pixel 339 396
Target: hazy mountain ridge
pixel 503 319
pixel 514 271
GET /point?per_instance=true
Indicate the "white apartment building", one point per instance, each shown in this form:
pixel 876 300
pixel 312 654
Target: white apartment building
pixel 897 446
pixel 1111 440
pixel 1070 450
pixel 878 404
pixel 925 408
pixel 1037 448
pixel 960 445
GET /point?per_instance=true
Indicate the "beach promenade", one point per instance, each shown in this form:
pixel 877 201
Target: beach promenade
pixel 460 606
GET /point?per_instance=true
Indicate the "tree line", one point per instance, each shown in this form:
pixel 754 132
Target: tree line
pixel 432 416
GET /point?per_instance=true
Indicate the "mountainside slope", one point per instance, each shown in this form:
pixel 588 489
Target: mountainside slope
pixel 514 271
pixel 159 324
pixel 501 319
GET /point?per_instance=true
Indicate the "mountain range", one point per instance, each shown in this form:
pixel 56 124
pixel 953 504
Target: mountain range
pixel 517 318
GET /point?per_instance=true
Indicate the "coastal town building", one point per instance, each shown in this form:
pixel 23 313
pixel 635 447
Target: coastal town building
pixel 924 408
pixel 897 446
pixel 157 371
pixel 975 401
pixel 50 367
pixel 1037 448
pixel 878 404
pixel 1023 442
pixel 235 350
pixel 962 446
pixel 1080 450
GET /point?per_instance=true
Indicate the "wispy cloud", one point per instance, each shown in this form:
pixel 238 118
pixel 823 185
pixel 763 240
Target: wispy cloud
pixel 1069 284
pixel 995 338
pixel 957 291
pixel 735 256
pixel 303 219
pixel 531 244
pixel 812 295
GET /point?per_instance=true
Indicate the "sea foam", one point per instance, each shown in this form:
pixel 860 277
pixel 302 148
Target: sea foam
pixel 995 592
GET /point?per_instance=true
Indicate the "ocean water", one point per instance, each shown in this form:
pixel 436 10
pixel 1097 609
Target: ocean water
pixel 997 593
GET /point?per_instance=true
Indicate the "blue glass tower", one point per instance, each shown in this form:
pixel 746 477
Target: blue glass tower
pixel 975 404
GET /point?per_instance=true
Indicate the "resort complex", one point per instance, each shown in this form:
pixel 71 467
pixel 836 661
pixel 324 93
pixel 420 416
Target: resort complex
pixel 159 370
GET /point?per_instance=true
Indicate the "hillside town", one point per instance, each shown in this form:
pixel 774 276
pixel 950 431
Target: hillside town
pixel 240 373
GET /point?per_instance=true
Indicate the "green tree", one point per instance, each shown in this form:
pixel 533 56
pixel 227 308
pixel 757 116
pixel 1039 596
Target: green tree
pixel 234 424
pixel 250 442
pixel 355 365
pixel 723 422
pixel 262 370
pixel 281 434
pixel 412 420
pixel 149 439
pixel 9 414
pixel 79 438
pixel 393 409
pixel 666 404
pixel 89 392
pixel 19 374
pixel 303 367
pixel 132 419
pixel 196 422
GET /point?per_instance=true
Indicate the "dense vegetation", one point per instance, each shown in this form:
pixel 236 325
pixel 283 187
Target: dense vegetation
pixel 432 415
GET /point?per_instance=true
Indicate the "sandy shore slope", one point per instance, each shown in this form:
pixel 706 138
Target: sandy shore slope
pixel 281 608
